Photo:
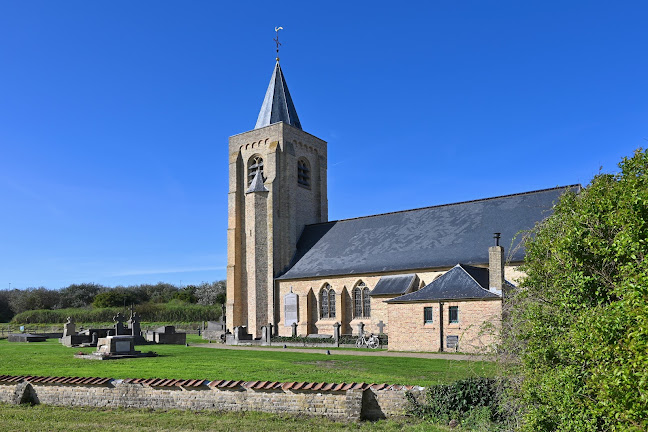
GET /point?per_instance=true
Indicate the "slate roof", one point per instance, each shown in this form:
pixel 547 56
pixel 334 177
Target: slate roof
pixel 431 237
pixel 277 104
pixel 394 284
pixel 462 282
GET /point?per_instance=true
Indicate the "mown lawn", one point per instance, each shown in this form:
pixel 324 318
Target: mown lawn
pixel 53 359
pixel 46 418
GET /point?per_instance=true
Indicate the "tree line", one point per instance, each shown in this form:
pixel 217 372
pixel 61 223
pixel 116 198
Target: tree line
pixel 92 295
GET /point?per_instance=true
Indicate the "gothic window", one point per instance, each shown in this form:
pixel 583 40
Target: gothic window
pixel 331 295
pixel 303 173
pixel 254 164
pixel 367 303
pixel 361 301
pixel 327 302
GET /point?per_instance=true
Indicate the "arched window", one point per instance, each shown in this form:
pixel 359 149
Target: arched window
pixel 254 164
pixel 331 296
pixel 303 173
pixel 366 311
pixel 361 301
pixel 327 302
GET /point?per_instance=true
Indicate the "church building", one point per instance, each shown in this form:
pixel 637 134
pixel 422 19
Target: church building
pixel 429 278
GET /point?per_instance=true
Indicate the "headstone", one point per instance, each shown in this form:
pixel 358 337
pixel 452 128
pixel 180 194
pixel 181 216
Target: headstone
pixel 291 309
pixel 119 324
pixel 294 329
pixel 95 337
pixel 381 327
pixel 134 324
pixel 360 329
pixel 336 332
pixel 69 328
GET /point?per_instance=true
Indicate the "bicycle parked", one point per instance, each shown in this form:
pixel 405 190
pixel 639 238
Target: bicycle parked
pixel 372 341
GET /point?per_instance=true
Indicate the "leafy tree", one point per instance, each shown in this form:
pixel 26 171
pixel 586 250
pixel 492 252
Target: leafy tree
pixel 79 295
pixel 159 293
pixel 5 309
pixel 115 297
pixel 33 298
pixel 186 294
pixel 579 325
pixel 211 293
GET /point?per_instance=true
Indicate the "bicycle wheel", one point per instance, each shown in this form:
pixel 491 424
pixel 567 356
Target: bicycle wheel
pixel 374 343
pixel 359 343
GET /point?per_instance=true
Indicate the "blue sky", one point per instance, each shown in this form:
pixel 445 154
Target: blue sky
pixel 114 116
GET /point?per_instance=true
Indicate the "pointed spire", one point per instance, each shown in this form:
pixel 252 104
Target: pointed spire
pixel 257 183
pixel 277 105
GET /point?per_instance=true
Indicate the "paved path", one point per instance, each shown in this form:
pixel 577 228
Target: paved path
pixel 377 353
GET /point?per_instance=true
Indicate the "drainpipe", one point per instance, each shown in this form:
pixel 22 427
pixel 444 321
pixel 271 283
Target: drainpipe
pixel 441 326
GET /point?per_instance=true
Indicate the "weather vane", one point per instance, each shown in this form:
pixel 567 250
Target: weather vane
pixel 277 40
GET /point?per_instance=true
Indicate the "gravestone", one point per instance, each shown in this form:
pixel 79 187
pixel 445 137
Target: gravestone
pixel 115 347
pixel 119 324
pixel 134 325
pixel 381 327
pixel 294 329
pixel 95 338
pixel 291 308
pixel 166 335
pixel 69 328
pixel 360 329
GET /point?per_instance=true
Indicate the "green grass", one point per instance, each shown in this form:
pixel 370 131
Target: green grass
pixel 27 418
pixel 177 361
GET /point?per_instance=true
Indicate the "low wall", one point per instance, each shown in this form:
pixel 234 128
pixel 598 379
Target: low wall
pixel 344 401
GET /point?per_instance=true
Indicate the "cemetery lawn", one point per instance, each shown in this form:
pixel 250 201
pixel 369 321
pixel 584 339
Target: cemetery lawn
pixel 40 417
pixel 180 362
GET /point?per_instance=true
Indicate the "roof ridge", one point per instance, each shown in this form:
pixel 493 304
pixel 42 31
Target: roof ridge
pixel 452 204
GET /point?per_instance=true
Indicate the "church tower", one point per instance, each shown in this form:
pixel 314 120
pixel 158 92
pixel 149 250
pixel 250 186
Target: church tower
pixel 277 185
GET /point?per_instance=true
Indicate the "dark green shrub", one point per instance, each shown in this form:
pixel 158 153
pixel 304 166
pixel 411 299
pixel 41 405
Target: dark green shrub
pixel 115 297
pixel 459 400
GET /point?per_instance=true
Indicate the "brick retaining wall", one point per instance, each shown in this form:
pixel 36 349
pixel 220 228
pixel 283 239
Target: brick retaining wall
pixel 352 401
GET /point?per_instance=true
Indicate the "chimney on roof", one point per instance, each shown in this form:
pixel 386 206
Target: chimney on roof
pixel 496 266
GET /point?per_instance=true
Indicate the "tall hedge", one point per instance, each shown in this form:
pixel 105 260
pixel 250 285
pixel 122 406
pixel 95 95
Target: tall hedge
pixel 156 312
pixel 579 325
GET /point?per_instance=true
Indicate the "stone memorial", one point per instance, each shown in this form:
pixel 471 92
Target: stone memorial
pixel 381 327
pixel 69 328
pixel 115 347
pixel 120 329
pixel 166 335
pixel 291 308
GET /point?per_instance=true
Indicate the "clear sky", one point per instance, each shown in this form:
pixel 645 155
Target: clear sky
pixel 115 115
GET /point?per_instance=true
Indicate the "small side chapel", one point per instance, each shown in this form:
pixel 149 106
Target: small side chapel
pixel 427 277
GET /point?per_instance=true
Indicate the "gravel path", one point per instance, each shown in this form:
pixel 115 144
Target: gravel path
pixel 377 353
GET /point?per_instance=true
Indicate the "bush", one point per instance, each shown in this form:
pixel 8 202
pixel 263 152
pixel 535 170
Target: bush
pixel 462 400
pixel 115 297
pixel 147 312
pixel 577 334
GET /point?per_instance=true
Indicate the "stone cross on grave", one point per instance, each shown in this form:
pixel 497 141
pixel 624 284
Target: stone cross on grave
pixel 381 327
pixel 119 324
pixel 134 324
